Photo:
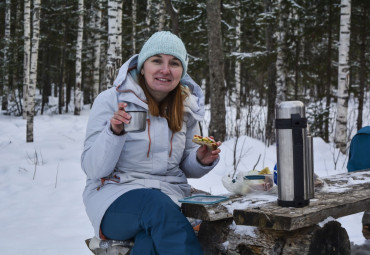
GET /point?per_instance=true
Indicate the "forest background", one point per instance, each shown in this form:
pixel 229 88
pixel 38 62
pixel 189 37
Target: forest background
pixel 57 55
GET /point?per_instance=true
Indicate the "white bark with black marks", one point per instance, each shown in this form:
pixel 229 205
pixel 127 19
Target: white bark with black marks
pixel 26 52
pixel 343 76
pixel 97 50
pixel 80 30
pixel 112 42
pixel 31 89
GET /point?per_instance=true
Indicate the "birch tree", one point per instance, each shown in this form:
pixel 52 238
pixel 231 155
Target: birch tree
pixel 33 69
pixel 78 93
pixel 112 42
pixel 217 127
pixel 340 137
pixel 4 104
pixel 118 48
pixel 97 50
pixel 26 52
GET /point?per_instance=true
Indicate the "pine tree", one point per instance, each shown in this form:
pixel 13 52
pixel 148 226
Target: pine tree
pixel 5 92
pixel 217 126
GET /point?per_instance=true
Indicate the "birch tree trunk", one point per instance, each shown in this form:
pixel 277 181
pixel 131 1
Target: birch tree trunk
pixel 80 29
pixel 112 42
pixel 33 71
pixel 217 127
pixel 340 137
pixel 280 60
pixel 118 49
pixel 5 92
pixel 97 51
pixel 26 53
pixel 133 34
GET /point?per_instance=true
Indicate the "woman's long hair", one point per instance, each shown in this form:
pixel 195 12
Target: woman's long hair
pixel 171 107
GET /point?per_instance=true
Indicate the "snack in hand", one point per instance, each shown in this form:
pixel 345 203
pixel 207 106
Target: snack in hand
pixel 202 140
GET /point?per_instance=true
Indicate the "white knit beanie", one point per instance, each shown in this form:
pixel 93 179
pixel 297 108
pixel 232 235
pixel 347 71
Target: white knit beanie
pixel 164 42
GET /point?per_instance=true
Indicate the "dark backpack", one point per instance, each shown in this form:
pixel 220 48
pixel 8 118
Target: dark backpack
pixel 359 151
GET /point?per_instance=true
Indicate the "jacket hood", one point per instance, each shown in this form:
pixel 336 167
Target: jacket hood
pixel 194 103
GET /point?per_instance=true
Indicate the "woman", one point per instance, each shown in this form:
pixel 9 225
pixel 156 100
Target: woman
pixel 134 180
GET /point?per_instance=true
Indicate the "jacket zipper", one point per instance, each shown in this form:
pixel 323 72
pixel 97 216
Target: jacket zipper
pixel 150 141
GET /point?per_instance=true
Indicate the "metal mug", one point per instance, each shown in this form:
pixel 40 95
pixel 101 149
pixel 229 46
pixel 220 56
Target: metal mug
pixel 137 122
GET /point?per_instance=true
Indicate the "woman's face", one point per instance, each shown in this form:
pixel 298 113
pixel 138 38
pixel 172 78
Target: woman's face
pixel 162 74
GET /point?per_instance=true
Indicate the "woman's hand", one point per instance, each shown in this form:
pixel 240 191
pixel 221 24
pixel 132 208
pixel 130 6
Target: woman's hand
pixel 207 157
pixel 119 118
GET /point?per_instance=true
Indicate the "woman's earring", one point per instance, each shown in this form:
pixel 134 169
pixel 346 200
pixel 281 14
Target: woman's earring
pixel 142 72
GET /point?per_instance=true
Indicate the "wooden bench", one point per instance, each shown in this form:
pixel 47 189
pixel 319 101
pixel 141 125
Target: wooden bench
pixel 257 225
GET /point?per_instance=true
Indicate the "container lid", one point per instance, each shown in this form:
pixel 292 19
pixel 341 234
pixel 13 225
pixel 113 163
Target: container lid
pixel 203 199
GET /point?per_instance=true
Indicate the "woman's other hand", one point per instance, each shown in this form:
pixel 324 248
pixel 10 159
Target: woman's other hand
pixel 119 118
pixel 206 156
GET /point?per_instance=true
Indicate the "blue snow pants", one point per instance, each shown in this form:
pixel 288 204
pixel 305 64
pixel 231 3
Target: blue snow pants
pixel 154 221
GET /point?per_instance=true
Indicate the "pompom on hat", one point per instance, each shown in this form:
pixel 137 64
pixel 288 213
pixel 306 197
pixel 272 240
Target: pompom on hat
pixel 164 42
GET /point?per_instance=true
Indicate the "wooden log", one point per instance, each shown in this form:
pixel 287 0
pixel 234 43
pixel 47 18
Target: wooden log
pixel 346 201
pixel 221 237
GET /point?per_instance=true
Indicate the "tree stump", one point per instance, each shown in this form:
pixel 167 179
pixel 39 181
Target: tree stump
pixel 225 238
pixel 366 225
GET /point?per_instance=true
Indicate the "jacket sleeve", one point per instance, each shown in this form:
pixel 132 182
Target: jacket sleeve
pixel 102 148
pixel 190 165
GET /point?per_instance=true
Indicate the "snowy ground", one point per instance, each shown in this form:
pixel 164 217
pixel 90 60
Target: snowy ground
pixel 41 184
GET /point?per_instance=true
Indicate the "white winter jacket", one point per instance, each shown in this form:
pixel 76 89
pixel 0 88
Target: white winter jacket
pixel 155 158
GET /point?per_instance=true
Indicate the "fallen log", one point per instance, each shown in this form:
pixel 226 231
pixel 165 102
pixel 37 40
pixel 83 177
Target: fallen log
pixel 227 238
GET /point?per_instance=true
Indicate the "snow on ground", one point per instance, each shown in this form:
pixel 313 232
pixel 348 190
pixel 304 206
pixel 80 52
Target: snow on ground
pixel 41 183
